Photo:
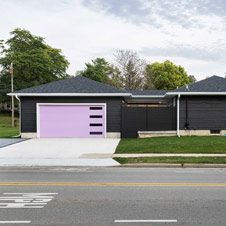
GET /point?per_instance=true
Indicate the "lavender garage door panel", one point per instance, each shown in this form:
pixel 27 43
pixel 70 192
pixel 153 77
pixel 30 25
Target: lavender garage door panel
pixel 72 120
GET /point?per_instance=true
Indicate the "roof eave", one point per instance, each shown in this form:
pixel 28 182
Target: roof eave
pixel 148 96
pixel 69 94
pixel 195 93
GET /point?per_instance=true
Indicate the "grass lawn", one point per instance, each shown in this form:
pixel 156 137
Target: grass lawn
pixel 210 160
pixel 6 131
pixel 193 144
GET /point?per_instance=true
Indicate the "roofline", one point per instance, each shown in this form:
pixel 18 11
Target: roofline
pixel 69 94
pixel 117 94
pixel 195 93
pixel 148 96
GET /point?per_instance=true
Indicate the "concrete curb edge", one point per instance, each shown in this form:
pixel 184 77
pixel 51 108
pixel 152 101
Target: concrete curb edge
pixel 164 165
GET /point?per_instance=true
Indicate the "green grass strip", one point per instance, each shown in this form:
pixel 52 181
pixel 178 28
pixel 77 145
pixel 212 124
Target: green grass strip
pixel 193 144
pixel 180 160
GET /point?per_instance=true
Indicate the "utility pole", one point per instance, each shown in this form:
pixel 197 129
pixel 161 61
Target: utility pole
pixel 12 107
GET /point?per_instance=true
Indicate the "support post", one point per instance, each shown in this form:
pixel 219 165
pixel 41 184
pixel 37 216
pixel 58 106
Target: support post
pixel 12 98
pixel 178 115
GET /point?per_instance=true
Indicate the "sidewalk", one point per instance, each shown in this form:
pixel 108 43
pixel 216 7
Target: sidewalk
pixel 167 155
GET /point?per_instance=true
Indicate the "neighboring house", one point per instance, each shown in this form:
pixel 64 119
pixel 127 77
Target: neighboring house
pixel 80 107
pixel 6 106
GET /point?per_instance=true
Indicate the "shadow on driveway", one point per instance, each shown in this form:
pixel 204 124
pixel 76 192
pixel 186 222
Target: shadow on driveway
pixel 9 141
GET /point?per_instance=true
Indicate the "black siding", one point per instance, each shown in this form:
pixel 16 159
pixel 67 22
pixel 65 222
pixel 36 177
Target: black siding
pixel 204 112
pixel 136 119
pixel 28 110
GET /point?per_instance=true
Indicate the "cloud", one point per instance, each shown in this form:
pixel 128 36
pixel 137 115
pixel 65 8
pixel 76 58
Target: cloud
pixel 183 12
pixel 189 33
pixel 186 52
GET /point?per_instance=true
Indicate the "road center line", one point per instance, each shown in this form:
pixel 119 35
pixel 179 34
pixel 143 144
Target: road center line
pixel 145 221
pixel 112 184
pixel 15 222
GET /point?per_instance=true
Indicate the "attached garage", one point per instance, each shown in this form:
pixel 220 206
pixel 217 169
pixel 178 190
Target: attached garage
pixel 76 107
pixel 80 107
pixel 71 120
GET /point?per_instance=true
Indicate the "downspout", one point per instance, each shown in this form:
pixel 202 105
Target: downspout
pixel 19 114
pixel 178 115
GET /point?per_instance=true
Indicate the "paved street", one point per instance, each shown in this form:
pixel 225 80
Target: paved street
pixel 112 196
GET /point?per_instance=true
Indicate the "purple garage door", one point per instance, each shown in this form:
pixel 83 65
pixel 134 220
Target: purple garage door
pixel 72 121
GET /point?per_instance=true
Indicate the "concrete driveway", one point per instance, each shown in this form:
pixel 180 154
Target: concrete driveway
pixel 60 152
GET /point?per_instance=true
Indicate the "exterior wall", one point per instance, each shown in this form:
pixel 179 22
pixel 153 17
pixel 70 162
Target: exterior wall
pixel 194 132
pixel 204 112
pixel 28 135
pixel 28 110
pixel 108 135
pixel 146 134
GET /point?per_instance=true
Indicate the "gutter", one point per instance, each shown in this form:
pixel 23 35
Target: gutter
pixel 70 94
pixel 195 93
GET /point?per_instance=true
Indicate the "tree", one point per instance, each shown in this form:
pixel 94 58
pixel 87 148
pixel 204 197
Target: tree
pixel 34 61
pixel 131 67
pixel 166 76
pixel 102 71
pixel 192 79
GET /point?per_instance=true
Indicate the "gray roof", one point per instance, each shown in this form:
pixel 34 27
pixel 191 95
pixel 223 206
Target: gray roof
pixel 78 84
pixel 211 84
pixel 148 92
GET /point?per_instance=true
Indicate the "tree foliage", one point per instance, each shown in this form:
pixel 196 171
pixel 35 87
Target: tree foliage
pixel 34 61
pixel 102 71
pixel 131 67
pixel 192 79
pixel 165 76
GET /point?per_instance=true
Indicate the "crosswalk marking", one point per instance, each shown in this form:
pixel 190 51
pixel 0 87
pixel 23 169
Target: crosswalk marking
pixel 15 222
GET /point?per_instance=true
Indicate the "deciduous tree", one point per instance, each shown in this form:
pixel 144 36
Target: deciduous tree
pixel 34 61
pixel 131 67
pixel 165 76
pixel 102 71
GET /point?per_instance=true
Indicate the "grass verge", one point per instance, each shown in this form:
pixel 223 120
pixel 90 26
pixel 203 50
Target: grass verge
pixel 180 160
pixel 193 144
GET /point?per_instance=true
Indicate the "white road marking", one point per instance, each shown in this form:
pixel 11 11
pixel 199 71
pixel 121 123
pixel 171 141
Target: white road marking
pixel 145 221
pixel 21 205
pixel 87 170
pixel 30 194
pixel 15 222
pixel 25 200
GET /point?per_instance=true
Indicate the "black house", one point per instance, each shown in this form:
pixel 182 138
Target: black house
pixel 80 107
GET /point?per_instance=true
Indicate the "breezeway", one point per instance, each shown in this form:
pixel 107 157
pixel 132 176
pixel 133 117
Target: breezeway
pixel 60 152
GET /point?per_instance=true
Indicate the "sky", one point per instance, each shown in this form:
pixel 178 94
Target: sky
pixel 190 33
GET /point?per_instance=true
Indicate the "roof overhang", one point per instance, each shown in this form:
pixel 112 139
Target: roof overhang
pixel 196 93
pixel 148 96
pixel 71 94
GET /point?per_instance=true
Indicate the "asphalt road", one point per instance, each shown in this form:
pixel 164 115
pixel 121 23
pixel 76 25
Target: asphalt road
pixel 106 196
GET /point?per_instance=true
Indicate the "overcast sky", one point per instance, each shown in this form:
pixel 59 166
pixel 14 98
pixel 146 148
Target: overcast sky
pixel 190 33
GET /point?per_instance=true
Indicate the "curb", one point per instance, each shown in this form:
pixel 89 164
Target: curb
pixel 163 165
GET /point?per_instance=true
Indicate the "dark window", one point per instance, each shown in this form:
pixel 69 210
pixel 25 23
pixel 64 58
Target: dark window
pixel 95 108
pixel 215 131
pixel 95 133
pixel 96 116
pixel 95 124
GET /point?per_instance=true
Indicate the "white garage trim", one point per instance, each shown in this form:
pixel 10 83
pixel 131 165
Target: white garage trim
pixel 75 104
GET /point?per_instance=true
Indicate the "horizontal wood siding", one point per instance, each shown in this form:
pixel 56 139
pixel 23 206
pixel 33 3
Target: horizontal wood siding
pixel 204 112
pixel 28 110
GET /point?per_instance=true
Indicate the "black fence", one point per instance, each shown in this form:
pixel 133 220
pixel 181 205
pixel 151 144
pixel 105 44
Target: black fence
pixel 136 119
